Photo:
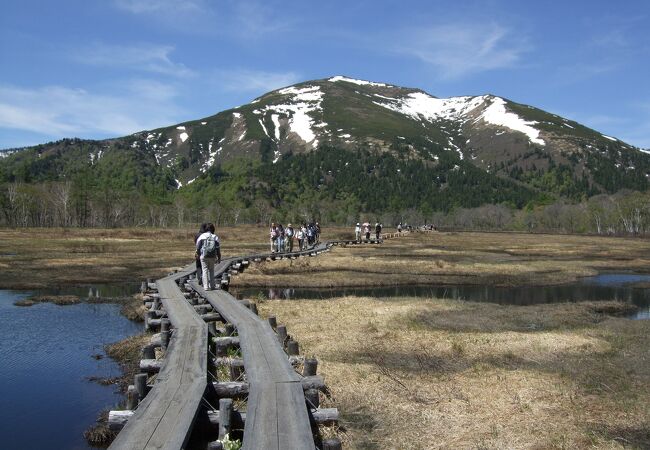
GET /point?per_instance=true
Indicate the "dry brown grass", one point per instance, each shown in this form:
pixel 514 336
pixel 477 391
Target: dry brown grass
pixel 417 374
pixel 458 258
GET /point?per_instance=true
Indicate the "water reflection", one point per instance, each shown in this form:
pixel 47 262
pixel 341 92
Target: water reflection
pixel 602 287
pixel 47 353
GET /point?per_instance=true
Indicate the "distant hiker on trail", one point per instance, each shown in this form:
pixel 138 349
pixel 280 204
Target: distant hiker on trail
pixel 366 230
pixel 274 237
pixel 197 257
pixel 399 227
pixel 280 230
pixel 357 232
pixel 377 231
pixel 288 238
pixel 317 232
pixel 303 246
pixel 310 234
pixel 207 245
pixel 300 235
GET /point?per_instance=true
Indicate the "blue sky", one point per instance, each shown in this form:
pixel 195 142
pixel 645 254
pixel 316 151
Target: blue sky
pixel 97 69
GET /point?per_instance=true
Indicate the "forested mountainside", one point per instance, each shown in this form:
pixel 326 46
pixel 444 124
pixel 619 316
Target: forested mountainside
pixel 333 147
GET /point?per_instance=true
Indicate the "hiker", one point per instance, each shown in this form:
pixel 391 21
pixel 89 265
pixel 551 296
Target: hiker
pixel 280 238
pixel 399 227
pixel 197 257
pixel 367 230
pixel 288 238
pixel 377 231
pixel 317 232
pixel 357 232
pixel 304 237
pixel 274 236
pixel 207 245
pixel 310 234
pixel 301 237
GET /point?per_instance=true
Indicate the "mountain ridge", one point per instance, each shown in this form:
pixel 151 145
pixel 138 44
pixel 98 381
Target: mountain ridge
pixel 493 142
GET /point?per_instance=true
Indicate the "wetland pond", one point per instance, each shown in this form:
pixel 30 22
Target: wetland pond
pixel 624 287
pixel 47 355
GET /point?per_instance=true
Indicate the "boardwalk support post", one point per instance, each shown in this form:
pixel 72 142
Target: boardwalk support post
pixel 225 417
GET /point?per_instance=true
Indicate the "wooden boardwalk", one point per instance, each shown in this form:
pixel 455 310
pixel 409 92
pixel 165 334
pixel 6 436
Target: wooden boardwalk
pixel 165 418
pixel 277 417
pixel 276 413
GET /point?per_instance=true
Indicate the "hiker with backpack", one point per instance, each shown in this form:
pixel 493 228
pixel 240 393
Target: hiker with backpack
pixel 197 256
pixel 288 238
pixel 317 233
pixel 357 232
pixel 280 238
pixel 274 236
pixel 207 245
pixel 377 231
pixel 300 235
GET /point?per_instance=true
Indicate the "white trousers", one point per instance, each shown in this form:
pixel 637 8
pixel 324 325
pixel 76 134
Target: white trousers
pixel 207 266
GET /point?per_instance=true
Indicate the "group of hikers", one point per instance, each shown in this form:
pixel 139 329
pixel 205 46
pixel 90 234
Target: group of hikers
pixel 366 230
pixel 208 248
pixel 282 238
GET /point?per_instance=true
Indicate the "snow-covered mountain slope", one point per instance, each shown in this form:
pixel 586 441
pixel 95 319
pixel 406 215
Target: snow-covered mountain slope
pixel 492 133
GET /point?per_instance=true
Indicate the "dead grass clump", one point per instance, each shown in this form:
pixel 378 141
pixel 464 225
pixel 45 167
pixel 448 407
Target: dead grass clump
pixel 99 435
pixel 127 353
pixel 61 300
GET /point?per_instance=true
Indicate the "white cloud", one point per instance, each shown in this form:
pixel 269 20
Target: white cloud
pixel 244 80
pixel 160 6
pixel 57 111
pixel 142 57
pixel 242 19
pixel 460 49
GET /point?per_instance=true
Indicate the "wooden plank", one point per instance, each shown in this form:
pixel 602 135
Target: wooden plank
pixel 277 416
pixel 165 418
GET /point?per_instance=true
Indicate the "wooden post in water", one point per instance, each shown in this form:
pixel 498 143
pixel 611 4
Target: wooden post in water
pixel 132 397
pixel 225 417
pixel 148 316
pixel 164 325
pixel 141 384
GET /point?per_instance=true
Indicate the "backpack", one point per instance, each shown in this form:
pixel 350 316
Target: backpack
pixel 210 246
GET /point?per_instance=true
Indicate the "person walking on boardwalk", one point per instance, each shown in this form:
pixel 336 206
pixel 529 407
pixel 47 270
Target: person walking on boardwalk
pixel 208 247
pixel 197 257
pixel 357 232
pixel 288 238
pixel 399 227
pixel 317 233
pixel 377 231
pixel 280 238
pixel 366 229
pixel 300 235
pixel 273 232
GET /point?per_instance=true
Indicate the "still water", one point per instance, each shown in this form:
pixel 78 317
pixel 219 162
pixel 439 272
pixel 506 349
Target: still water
pixel 46 357
pixel 602 287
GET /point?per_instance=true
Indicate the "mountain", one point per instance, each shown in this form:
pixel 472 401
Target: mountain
pixel 341 137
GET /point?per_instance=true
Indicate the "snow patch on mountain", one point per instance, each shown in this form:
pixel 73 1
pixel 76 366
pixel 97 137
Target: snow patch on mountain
pixel 496 114
pixel 359 82
pixel 609 137
pixel 299 107
pixel 183 136
pixel 421 106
